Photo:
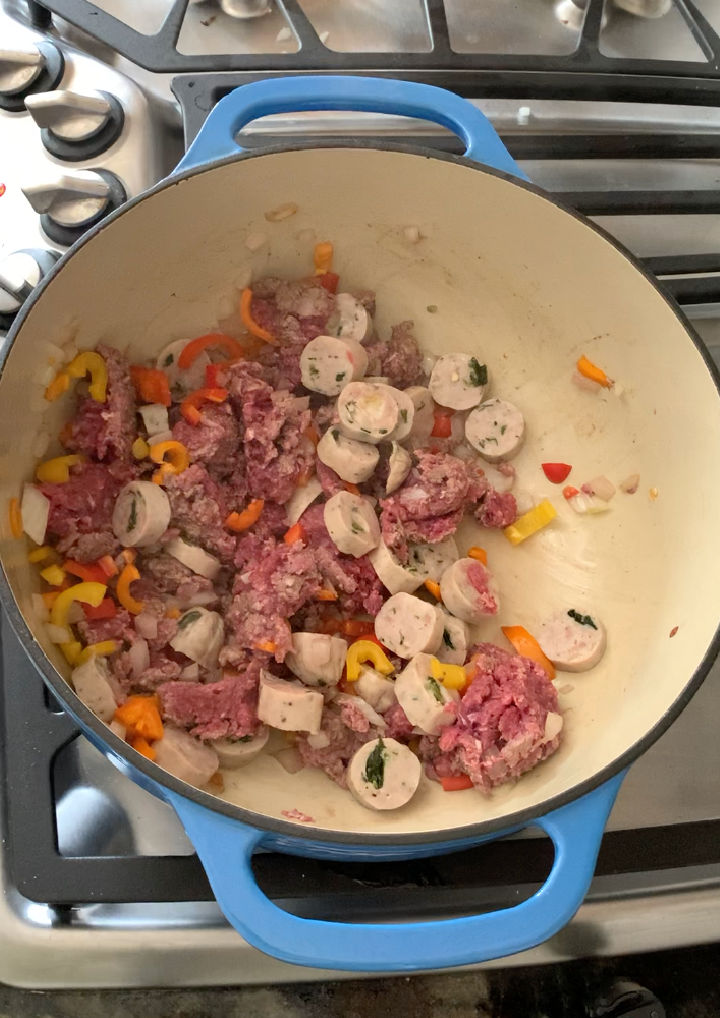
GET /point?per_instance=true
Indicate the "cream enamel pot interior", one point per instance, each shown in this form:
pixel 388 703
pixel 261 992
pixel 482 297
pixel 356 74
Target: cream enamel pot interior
pixel 527 285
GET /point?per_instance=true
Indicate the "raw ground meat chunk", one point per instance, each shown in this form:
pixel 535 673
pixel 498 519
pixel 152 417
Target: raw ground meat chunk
pixel 105 431
pixel 197 509
pixel 398 726
pixel 500 729
pixel 119 628
pixel 330 481
pixel 398 358
pixel 333 758
pixel 81 511
pixel 497 509
pixel 294 311
pixel 214 440
pixel 214 710
pixel 353 579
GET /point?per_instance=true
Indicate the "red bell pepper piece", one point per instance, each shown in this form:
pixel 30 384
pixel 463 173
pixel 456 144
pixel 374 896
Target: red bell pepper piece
pixel 151 384
pixel 456 783
pixel 91 572
pixel 330 281
pixel 195 347
pixel 443 424
pixel 556 472
pixel 107 609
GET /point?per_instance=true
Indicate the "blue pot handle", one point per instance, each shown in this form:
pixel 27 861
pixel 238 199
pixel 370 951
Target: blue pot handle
pixel 217 138
pixel 225 848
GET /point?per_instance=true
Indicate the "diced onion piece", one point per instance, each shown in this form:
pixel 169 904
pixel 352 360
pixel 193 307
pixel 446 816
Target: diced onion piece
pixel 284 211
pixel 301 498
pixel 290 759
pixel 255 241
pixel 75 613
pixel 58 634
pixel 630 484
pixel 35 510
pixel 40 609
pixel 146 625
pixel 139 657
pixel 319 741
pixel 587 504
pixel 601 486
pixel 191 673
pixel 411 234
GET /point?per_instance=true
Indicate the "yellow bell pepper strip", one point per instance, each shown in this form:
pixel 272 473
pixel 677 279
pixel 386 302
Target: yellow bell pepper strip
pixel 40 554
pixel 244 520
pixel 126 577
pixel 434 589
pixel 140 449
pixel 15 517
pixel 451 676
pixel 322 257
pixel 141 716
pixel 93 364
pixel 53 575
pixel 101 649
pixel 529 523
pixel 249 322
pixel 593 372
pixel 85 593
pixel 71 651
pixel 59 385
pixel 527 646
pixel 365 650
pixel 173 456
pixel 478 553
pixel 57 471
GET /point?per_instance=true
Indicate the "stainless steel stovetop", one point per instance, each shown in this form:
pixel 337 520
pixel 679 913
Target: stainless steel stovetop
pixel 99 884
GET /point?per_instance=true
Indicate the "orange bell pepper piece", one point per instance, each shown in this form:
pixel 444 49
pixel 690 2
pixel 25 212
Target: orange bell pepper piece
pixel 434 589
pixel 456 783
pixel 593 372
pixel 141 716
pixel 195 347
pixel 173 457
pixel 294 533
pixel 59 385
pixel 478 553
pixel 527 646
pixel 143 747
pixel 249 322
pixel 151 384
pixel 126 577
pixel 322 257
pixel 244 520
pixel 189 406
pixel 15 517
pixel 93 572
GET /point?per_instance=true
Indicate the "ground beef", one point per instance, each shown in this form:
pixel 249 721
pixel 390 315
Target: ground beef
pixel 497 509
pixel 105 431
pixel 330 481
pixel 214 441
pixel 81 511
pixel 398 358
pixel 353 579
pixel 162 670
pixel 333 758
pixel 500 728
pixel 215 710
pixel 120 628
pixel 196 501
pixel 398 726
pixel 294 311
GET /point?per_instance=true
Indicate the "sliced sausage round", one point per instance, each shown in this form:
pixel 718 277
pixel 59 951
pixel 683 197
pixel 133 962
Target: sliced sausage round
pixel 458 381
pixel 91 682
pixel 352 523
pixel 407 626
pixel 327 364
pixel 454 643
pixel 431 560
pixel 383 774
pixel 352 461
pixel 375 688
pixel 200 635
pixel 399 465
pixel 289 706
pixel 393 574
pixel 469 591
pixel 367 413
pixel 316 658
pixel 141 514
pixel 185 757
pixel 238 752
pixel 424 700
pixel 496 429
pixel 197 559
pixel 573 642
pixel 350 320
pixel 406 415
pixel 424 416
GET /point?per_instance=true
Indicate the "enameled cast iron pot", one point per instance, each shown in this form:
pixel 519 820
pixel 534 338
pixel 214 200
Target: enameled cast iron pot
pixel 529 286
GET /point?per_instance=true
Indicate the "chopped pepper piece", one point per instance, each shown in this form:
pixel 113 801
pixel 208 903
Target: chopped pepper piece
pixel 189 406
pixel 40 554
pixel 107 609
pixel 366 650
pixel 151 384
pixel 451 676
pixel 244 520
pixel 53 575
pixel 59 385
pixel 93 364
pixel 329 281
pixel 173 457
pixel 249 322
pixel 85 593
pixel 72 651
pixel 294 533
pixel 15 517
pixel 530 522
pixel 140 449
pixel 143 747
pixel 126 577
pixel 101 649
pixel 91 571
pixel 322 257
pixel 478 553
pixel 434 589
pixel 593 372
pixel 442 427
pixel 57 471
pixel 456 783
pixel 141 716
pixel 527 646
pixel 556 472
pixel 195 347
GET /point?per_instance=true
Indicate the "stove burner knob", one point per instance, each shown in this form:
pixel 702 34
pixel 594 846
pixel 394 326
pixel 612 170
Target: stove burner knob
pixel 245 8
pixel 22 71
pixel 72 202
pixel 20 272
pixel 75 126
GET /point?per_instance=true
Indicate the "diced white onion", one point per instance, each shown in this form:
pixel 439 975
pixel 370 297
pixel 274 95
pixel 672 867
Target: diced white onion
pixel 40 609
pixel 139 657
pixel 525 501
pixel 301 498
pixel 319 741
pixel 601 486
pixel 40 444
pixel 75 613
pixel 119 728
pixel 290 759
pixel 191 673
pixel 44 374
pixel 630 484
pixel 58 634
pixel 364 707
pixel 284 211
pixel 587 504
pixel 411 234
pixel 52 353
pixel 255 241
pixel 202 597
pixel 35 510
pixel 146 625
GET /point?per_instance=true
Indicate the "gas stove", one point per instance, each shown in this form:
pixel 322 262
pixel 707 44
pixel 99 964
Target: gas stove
pixel 612 104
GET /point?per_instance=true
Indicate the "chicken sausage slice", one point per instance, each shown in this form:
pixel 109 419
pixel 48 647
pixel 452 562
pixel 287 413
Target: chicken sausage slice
pixel 469 591
pixel 383 774
pixel 141 514
pixel 350 320
pixel 328 363
pixel 496 429
pixel 393 574
pixel 91 682
pixel 424 700
pixel 197 559
pixel 399 465
pixel 573 642
pixel 454 643
pixel 351 523
pixel 367 413
pixel 200 635
pixel 458 381
pixel 185 757
pixel 407 626
pixel 316 658
pixel 352 461
pixel 375 688
pixel 238 752
pixel 289 706
pixel 431 560
pixel 406 415
pixel 424 416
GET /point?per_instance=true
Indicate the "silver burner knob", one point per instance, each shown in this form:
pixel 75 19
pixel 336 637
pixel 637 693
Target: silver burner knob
pixel 76 126
pixel 19 69
pixel 72 202
pixel 20 272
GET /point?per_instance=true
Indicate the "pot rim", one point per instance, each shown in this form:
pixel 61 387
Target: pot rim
pixel 154 777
